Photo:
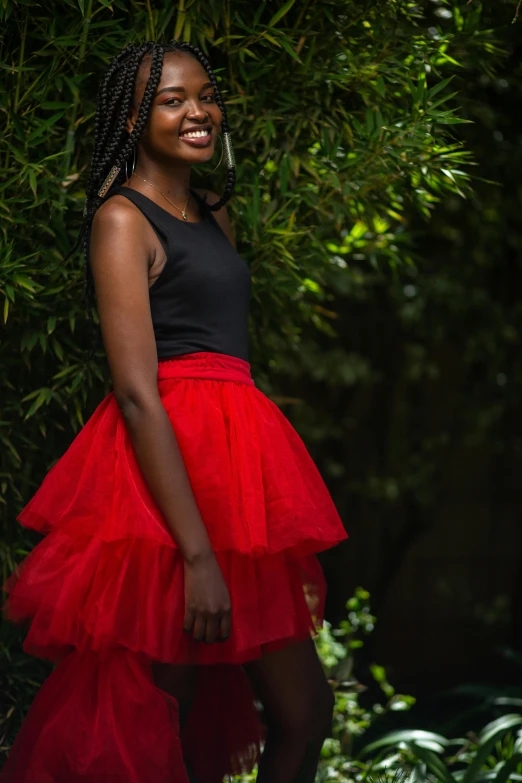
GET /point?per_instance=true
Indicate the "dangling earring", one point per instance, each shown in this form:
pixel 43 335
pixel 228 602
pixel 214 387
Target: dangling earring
pixel 221 158
pixel 229 152
pixel 133 165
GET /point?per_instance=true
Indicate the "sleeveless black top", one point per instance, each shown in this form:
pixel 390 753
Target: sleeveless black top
pixel 200 301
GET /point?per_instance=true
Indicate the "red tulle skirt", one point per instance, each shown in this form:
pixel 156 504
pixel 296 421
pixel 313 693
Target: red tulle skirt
pixel 103 591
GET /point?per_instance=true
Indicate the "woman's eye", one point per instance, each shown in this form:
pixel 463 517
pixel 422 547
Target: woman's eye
pixel 170 101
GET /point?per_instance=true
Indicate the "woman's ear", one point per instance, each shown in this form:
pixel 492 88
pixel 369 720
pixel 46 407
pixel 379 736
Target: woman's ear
pixel 131 121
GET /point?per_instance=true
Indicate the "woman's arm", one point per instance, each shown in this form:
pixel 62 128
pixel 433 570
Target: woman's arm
pixel 123 245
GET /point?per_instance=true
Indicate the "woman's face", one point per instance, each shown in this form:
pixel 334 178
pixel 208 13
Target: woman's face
pixel 184 101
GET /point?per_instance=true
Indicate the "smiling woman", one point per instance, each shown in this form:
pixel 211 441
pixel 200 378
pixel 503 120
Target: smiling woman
pixel 177 583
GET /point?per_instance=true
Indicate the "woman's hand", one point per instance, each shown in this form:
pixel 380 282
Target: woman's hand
pixel 207 600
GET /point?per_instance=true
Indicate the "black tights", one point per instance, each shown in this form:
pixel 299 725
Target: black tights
pixel 297 702
pixel 298 706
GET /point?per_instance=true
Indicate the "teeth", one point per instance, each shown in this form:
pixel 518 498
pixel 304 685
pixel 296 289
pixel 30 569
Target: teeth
pixel 196 134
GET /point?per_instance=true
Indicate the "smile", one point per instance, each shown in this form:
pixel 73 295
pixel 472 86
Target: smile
pixel 199 138
pixel 195 134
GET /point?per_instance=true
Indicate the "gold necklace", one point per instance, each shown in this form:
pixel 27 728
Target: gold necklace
pixel 183 212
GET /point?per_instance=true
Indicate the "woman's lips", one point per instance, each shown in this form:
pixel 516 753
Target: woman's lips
pixel 197 141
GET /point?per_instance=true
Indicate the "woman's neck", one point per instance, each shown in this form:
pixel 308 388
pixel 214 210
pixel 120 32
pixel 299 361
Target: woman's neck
pixel 173 181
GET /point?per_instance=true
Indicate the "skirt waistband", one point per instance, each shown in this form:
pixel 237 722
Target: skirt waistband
pixel 208 365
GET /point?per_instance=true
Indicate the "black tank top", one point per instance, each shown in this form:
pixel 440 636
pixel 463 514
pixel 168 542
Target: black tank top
pixel 200 300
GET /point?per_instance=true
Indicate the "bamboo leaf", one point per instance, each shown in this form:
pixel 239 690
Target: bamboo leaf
pixel 24 282
pixel 44 126
pixel 270 38
pixel 282 12
pixel 288 48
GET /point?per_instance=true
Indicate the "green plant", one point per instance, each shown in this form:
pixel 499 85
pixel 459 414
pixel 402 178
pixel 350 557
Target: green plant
pixel 495 754
pixel 406 755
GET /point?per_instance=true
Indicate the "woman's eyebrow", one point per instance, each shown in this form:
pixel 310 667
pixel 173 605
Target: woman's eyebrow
pixel 182 89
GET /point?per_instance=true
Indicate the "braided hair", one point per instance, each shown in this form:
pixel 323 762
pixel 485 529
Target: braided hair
pixel 114 146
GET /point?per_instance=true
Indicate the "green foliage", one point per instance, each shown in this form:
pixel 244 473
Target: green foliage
pixel 336 647
pixel 495 754
pixel 405 755
pixel 413 407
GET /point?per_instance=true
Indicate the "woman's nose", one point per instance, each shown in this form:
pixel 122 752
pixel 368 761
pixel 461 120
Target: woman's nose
pixel 197 111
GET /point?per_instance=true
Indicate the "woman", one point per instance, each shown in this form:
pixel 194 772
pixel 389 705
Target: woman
pixel 177 583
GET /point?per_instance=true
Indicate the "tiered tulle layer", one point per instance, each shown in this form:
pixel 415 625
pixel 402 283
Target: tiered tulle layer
pixel 86 724
pixel 109 576
pixel 256 486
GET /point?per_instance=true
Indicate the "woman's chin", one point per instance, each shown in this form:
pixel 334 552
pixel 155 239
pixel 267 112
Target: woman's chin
pixel 203 155
pixel 193 156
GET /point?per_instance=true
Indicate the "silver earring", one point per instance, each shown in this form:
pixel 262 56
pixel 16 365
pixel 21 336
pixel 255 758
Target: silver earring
pixel 221 158
pixel 229 152
pixel 133 164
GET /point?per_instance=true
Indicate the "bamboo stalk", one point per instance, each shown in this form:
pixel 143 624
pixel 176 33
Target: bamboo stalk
pixel 151 21
pixel 71 132
pixel 21 65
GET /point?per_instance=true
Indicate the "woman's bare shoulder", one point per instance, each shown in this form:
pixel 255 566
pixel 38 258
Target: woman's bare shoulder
pixel 116 212
pixel 119 223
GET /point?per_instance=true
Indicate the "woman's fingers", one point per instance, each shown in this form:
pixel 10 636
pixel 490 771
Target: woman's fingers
pixel 224 626
pixel 188 622
pixel 207 628
pixel 212 628
pixel 200 627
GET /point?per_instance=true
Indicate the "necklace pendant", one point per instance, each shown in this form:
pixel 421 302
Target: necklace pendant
pixel 184 215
